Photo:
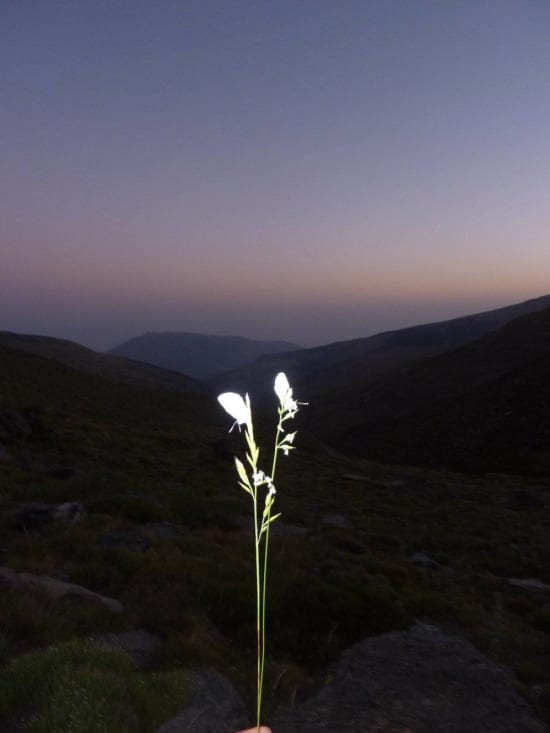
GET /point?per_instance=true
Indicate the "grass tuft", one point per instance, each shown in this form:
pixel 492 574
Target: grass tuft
pixel 81 687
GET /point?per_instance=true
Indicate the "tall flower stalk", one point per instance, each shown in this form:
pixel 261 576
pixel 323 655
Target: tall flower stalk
pixel 257 483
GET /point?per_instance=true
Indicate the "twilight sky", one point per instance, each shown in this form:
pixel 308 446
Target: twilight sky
pixel 313 170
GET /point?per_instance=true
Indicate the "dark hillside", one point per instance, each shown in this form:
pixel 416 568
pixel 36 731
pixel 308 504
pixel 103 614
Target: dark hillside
pixel 87 360
pixel 483 406
pixel 326 372
pixel 162 534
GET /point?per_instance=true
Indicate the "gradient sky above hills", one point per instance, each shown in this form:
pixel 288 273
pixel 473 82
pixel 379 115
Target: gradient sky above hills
pixel 310 170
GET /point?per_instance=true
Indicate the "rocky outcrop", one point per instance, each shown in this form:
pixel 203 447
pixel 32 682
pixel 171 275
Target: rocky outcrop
pixel 55 588
pixel 416 681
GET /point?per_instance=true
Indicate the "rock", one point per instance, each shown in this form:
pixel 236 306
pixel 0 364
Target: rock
pixel 530 584
pixel 421 681
pixel 34 515
pixel 336 520
pixel 215 708
pixel 164 530
pixel 140 645
pixel 424 561
pixel 55 588
pixel 70 511
pixel 283 529
pixel 122 538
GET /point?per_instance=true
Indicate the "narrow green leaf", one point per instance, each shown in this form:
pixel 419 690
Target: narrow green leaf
pixel 242 472
pixel 246 488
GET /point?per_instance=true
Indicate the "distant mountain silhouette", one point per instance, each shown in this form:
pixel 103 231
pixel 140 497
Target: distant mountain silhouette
pixel 196 354
pixel 113 367
pixel 325 373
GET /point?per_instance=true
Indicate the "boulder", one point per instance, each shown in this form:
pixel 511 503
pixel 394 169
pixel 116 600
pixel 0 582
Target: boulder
pixel 55 588
pixel 164 530
pixel 36 514
pixel 122 538
pixel 215 708
pixel 336 520
pixel 531 584
pixel 69 511
pixel 140 645
pixel 416 681
pixel 424 561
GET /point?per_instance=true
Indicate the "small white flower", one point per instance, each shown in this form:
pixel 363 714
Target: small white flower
pixel 238 408
pixel 258 478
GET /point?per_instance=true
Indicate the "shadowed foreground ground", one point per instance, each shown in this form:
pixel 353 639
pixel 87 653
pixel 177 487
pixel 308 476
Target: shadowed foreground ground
pixel 418 681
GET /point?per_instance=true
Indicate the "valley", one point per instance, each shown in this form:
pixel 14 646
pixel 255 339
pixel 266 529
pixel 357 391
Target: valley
pixel 159 526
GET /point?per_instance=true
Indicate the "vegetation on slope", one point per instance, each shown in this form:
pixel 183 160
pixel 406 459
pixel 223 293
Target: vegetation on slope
pixel 484 406
pixel 155 469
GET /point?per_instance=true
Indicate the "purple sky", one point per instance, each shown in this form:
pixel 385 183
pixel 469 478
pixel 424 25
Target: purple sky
pixel 309 169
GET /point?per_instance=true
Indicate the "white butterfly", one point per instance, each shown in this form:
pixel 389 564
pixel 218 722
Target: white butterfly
pixel 283 390
pixel 238 408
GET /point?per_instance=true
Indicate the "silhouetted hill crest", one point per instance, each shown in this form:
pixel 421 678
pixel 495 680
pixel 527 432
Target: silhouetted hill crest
pixel 482 406
pixel 113 367
pixel 327 371
pixel 199 355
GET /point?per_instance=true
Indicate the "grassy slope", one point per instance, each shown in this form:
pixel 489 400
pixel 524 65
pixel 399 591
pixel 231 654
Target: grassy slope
pixel 141 455
pixel 483 406
pixel 106 365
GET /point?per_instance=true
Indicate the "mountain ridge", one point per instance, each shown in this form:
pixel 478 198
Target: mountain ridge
pixel 341 365
pixel 199 355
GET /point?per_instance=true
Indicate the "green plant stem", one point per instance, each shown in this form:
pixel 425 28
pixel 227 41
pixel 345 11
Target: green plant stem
pixel 259 635
pixel 257 537
pixel 264 586
pixel 259 583
pixel 264 578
